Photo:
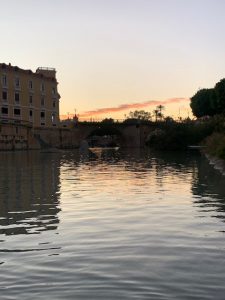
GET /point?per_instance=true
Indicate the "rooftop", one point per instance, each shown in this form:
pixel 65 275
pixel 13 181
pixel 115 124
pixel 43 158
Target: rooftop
pixel 41 71
pixel 46 69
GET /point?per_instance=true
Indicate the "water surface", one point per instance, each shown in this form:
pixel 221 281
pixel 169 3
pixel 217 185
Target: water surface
pixel 111 225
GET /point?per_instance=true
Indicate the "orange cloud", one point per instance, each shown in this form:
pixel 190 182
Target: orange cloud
pixel 123 107
pixel 139 105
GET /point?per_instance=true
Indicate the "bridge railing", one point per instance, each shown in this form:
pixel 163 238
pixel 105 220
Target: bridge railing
pixel 70 121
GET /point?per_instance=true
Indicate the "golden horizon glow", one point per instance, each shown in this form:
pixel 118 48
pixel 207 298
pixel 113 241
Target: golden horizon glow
pixel 107 53
pixel 121 111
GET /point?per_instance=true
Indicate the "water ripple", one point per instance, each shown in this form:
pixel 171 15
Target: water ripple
pixel 120 225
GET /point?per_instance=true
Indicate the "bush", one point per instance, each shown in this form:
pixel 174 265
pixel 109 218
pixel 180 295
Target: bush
pixel 175 136
pixel 215 144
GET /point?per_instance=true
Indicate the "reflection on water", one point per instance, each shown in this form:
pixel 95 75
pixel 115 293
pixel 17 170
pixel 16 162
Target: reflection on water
pixel 208 189
pixel 112 225
pixel 29 193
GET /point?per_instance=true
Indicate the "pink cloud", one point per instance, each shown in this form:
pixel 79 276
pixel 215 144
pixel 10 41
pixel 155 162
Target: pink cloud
pixel 123 107
pixel 137 105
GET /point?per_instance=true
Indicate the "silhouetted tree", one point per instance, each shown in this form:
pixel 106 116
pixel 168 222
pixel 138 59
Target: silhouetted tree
pixel 204 103
pixel 220 96
pixel 107 121
pixel 140 115
pixel 169 119
pixel 156 114
pixel 160 109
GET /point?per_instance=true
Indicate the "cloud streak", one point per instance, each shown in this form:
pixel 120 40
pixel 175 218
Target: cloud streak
pixel 129 106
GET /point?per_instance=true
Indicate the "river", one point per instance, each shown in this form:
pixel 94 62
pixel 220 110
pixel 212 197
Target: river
pixel 112 225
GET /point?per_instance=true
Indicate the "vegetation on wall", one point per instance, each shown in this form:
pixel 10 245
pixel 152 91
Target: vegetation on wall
pixel 215 144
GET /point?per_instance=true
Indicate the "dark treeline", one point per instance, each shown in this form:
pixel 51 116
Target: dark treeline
pixel 211 103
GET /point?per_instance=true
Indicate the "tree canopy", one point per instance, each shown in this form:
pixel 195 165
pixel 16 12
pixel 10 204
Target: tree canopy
pixel 203 103
pixel 220 95
pixel 140 115
pixel 209 102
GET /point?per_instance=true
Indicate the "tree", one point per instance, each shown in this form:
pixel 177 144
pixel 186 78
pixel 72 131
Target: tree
pixel 140 115
pixel 160 108
pixel 169 119
pixel 204 103
pixel 107 121
pixel 220 96
pixel 156 113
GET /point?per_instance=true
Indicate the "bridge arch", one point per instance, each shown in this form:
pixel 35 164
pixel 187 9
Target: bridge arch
pixel 124 135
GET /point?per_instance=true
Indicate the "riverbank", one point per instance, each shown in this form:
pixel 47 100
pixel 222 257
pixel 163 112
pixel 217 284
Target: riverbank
pixel 215 150
pixel 217 163
pixel 215 145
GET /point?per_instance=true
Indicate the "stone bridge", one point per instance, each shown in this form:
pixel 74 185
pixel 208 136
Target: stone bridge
pixel 128 135
pixel 24 137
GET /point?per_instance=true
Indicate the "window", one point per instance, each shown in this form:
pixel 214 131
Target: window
pixel 4 95
pixel 53 91
pixel 31 99
pixel 17 83
pixel 54 104
pixel 42 118
pixel 4 80
pixel 42 101
pixel 42 87
pixel 16 111
pixel 31 115
pixel 30 84
pixel 53 118
pixel 17 97
pixel 5 110
pixel 42 115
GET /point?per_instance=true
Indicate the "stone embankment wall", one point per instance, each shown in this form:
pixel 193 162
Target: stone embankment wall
pixel 56 138
pixel 20 137
pixel 13 137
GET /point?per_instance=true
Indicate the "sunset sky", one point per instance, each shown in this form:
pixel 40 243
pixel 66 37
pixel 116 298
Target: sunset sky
pixel 114 56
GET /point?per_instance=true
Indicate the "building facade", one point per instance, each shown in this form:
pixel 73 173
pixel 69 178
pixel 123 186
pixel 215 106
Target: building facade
pixel 28 97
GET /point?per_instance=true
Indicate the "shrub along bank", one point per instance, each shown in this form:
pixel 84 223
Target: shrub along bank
pixel 215 145
pixel 178 136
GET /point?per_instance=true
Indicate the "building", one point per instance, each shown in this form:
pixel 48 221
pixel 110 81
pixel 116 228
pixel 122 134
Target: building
pixel 28 97
pixel 29 110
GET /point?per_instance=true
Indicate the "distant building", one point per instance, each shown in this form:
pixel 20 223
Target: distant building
pixel 70 122
pixel 29 97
